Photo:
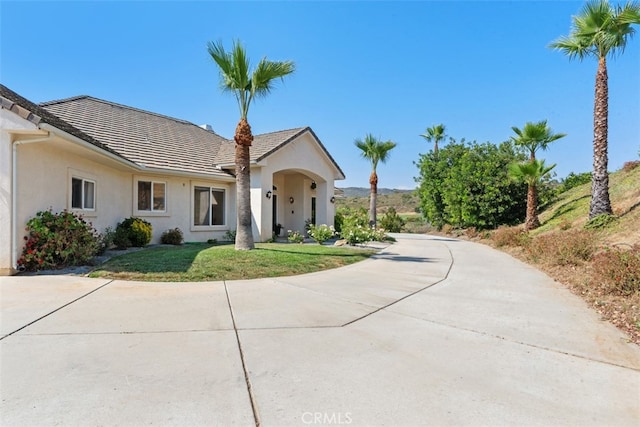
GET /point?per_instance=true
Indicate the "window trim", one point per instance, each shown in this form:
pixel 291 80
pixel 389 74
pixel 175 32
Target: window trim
pixel 210 186
pixel 83 177
pixel 152 180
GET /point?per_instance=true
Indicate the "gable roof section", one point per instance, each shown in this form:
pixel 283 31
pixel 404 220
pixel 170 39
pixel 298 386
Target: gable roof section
pixel 151 140
pixel 26 109
pixel 268 143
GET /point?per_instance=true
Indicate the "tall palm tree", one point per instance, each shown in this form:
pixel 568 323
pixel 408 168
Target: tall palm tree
pixel 534 136
pixel 600 30
pixel 434 134
pixel 375 151
pixel 246 85
pixel 532 173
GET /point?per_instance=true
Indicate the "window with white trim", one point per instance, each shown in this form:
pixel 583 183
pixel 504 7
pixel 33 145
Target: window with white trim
pixel 152 196
pixel 83 194
pixel 208 206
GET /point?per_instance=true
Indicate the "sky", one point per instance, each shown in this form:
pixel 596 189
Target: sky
pixel 390 69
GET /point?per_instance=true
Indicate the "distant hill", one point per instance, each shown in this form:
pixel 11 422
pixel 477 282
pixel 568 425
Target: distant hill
pixel 403 201
pixel 364 191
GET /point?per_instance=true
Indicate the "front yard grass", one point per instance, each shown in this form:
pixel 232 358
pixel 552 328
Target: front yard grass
pixel 195 262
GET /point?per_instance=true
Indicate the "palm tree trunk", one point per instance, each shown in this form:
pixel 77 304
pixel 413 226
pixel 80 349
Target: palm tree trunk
pixel 244 233
pixel 373 180
pixel 600 202
pixel 532 220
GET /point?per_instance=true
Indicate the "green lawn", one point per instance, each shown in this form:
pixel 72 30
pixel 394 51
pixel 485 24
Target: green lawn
pixel 195 262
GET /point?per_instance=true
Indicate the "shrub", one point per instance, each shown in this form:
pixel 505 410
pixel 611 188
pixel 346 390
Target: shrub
pixel 58 240
pixel 321 233
pixel 629 166
pixel 562 248
pixel 338 220
pixel 132 232
pixel 599 222
pixel 105 240
pixel 618 270
pixel 172 237
pixel 510 236
pixel 230 236
pixel 356 229
pixel 391 221
pixel 573 180
pixel 295 236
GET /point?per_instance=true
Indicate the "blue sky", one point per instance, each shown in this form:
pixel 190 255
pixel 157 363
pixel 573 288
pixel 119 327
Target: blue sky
pixel 387 68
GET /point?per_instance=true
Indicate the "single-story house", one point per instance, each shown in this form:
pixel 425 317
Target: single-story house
pixel 108 162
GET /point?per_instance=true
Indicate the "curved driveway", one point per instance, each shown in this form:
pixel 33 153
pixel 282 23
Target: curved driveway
pixel 430 331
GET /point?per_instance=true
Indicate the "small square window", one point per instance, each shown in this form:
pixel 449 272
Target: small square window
pixel 83 194
pixel 151 196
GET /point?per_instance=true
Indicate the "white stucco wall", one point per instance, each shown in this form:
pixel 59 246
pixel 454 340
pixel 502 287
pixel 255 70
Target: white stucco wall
pixel 8 121
pixel 292 169
pixel 44 173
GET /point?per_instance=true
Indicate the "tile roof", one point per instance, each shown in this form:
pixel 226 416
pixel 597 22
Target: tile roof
pixel 147 138
pixel 26 109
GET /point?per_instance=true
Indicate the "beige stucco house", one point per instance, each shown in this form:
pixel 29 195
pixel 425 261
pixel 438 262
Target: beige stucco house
pixel 108 162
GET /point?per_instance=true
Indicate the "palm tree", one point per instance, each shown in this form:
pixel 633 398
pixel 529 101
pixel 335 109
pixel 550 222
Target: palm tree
pixel 534 136
pixel 246 85
pixel 434 134
pixel 375 151
pixel 532 173
pixel 600 30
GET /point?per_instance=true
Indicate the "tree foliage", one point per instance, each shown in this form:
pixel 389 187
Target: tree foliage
pixel 467 185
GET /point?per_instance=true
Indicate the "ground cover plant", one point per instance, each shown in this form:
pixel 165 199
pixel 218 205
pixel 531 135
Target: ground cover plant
pixel 204 262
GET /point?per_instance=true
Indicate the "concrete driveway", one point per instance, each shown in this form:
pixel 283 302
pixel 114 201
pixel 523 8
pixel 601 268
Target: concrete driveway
pixel 429 332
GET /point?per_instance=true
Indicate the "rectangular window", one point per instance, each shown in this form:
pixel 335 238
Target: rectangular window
pixel 83 194
pixel 208 206
pixel 151 196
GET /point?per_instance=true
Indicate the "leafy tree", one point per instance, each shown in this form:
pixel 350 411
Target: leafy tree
pixel 246 85
pixel 434 134
pixel 600 30
pixel 375 151
pixel 531 173
pixel 466 185
pixel 534 136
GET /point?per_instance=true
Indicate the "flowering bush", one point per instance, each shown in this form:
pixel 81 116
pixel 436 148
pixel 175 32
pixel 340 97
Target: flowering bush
pixel 321 233
pixel 356 229
pixel 57 240
pixel 295 236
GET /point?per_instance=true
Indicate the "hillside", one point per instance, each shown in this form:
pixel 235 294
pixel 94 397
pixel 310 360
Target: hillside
pixel 404 201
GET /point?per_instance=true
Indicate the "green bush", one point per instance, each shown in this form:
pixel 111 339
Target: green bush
pixel 391 221
pixel 132 232
pixel 230 236
pixel 321 233
pixel 338 219
pixel 618 270
pixel 573 180
pixel 172 237
pixel 57 240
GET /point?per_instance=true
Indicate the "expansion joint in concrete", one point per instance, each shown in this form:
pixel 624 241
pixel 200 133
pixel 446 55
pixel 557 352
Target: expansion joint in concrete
pixel 56 310
pixel 254 406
